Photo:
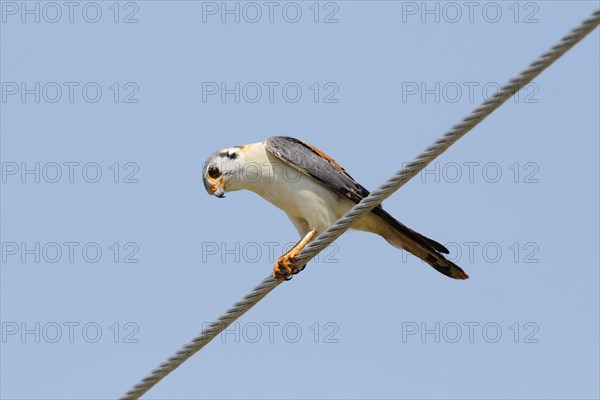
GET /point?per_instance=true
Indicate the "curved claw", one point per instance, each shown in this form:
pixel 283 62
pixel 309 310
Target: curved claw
pixel 283 272
pixel 299 269
pixel 282 269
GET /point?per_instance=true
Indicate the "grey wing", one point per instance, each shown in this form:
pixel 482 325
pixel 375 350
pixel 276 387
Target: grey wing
pixel 324 169
pixel 316 164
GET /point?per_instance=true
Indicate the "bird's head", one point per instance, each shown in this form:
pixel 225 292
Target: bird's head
pixel 222 171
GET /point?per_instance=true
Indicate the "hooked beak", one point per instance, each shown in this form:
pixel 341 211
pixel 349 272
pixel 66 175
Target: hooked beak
pixel 217 189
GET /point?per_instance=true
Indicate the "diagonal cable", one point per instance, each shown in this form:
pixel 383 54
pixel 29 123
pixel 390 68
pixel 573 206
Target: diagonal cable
pixel 368 203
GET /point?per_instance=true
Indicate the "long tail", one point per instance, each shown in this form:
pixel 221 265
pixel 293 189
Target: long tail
pixel 428 250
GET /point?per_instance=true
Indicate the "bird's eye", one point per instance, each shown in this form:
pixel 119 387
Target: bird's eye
pixel 214 172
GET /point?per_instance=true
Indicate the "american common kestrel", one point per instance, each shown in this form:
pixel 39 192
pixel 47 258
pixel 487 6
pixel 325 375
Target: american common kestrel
pixel 314 191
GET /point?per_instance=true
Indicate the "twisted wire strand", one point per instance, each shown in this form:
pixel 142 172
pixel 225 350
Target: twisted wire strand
pixel 447 140
pixel 368 203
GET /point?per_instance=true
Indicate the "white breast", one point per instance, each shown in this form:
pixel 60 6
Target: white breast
pixel 297 194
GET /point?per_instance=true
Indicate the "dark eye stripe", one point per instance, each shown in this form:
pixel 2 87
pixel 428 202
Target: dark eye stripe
pixel 214 172
pixel 228 154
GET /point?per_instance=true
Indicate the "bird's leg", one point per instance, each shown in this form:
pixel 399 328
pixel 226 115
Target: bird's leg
pixel 282 269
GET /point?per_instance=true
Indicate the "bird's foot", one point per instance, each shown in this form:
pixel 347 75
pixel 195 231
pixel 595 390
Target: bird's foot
pixel 282 269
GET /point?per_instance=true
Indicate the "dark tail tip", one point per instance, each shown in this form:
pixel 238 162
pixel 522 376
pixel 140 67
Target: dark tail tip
pixel 447 267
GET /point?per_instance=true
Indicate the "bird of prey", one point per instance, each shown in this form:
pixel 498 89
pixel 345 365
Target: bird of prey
pixel 314 191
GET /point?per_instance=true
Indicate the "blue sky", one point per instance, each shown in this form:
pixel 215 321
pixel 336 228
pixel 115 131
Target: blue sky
pixel 113 255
